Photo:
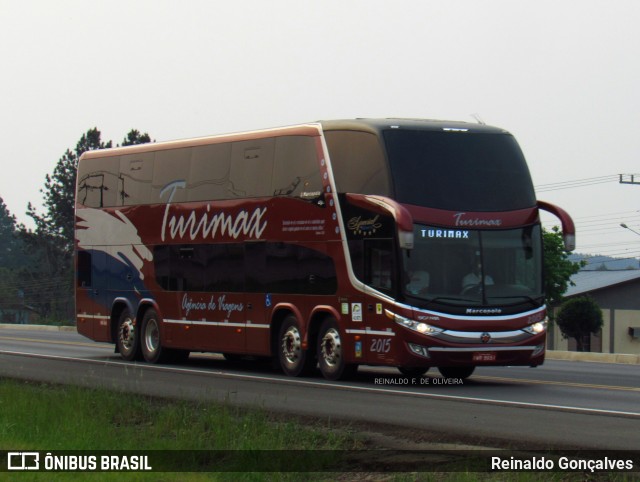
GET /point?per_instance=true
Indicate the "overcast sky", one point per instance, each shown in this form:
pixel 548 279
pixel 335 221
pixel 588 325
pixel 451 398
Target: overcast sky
pixel 562 76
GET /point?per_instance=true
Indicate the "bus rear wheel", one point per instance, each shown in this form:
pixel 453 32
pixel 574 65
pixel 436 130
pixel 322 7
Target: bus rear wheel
pixel 456 372
pixel 330 353
pixel 293 358
pixel 127 338
pixel 151 341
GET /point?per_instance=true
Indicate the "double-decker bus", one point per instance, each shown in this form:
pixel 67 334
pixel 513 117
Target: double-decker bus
pixel 406 243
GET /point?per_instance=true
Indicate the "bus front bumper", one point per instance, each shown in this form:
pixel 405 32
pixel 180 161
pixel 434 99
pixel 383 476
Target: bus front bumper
pixel 491 355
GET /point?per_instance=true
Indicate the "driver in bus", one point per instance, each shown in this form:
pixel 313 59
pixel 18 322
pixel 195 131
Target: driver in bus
pixel 473 278
pixel 418 282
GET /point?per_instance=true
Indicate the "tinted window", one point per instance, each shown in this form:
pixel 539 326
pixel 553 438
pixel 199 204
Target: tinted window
pixel 84 269
pixel 277 166
pixel 296 171
pixel 287 268
pixel 358 162
pixel 209 173
pixel 224 267
pixel 373 263
pixel 98 182
pixel 169 166
pixel 379 264
pixel 459 170
pixel 180 267
pixel 251 168
pixel 267 267
pixel 134 183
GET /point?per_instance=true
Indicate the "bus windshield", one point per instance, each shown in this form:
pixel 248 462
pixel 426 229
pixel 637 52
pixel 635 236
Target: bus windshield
pixel 474 268
pixel 456 170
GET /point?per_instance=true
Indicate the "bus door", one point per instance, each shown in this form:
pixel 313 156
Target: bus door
pixel 380 273
pixel 371 236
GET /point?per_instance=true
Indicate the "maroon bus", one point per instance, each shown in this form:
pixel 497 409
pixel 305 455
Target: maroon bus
pixel 406 243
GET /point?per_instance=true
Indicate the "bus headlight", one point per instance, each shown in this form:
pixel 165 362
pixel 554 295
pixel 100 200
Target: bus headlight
pixel 419 326
pixel 536 328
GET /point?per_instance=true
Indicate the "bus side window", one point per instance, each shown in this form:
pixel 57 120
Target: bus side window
pixel 296 169
pixel 251 168
pixel 84 269
pixel 209 173
pixel 170 166
pixel 136 174
pixel 379 265
pixel 358 162
pixel 288 268
pixel 98 182
pixel 224 267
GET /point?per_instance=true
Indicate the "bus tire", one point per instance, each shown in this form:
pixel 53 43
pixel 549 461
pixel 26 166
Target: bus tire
pixel 294 360
pixel 150 339
pixel 413 371
pixel 127 337
pixel 330 355
pixel 456 372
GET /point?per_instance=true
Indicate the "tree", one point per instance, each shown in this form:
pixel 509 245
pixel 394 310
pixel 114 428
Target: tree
pixel 134 137
pixel 9 243
pixel 579 318
pixel 558 268
pixel 10 256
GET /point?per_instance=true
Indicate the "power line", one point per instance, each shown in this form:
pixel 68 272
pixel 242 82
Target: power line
pixel 555 186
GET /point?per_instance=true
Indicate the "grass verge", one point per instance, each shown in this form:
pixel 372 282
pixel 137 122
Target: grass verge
pixel 45 417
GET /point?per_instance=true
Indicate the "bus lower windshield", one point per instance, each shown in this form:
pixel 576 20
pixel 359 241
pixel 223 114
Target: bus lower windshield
pixel 474 268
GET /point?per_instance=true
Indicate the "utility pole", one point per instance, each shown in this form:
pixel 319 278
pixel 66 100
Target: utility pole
pixel 629 179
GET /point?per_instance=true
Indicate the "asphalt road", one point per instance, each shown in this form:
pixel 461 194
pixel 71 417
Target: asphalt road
pixel 559 405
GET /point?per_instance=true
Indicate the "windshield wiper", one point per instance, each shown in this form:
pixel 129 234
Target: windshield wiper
pixel 448 299
pixel 530 299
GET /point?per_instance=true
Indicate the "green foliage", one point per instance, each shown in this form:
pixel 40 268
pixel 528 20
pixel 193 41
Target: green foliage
pixel 54 418
pixel 9 296
pixel 10 246
pixel 558 269
pixel 579 317
pixel 135 137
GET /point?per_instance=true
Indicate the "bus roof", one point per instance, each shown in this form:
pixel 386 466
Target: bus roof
pixel 308 129
pixel 377 125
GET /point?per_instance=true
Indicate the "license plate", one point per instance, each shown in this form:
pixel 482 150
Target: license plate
pixel 484 356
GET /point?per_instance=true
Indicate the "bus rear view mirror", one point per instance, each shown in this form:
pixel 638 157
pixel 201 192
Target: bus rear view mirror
pixel 568 228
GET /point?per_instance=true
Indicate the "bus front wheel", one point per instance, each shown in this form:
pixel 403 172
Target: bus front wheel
pixel 330 353
pixel 151 343
pixel 456 372
pixel 413 371
pixel 293 358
